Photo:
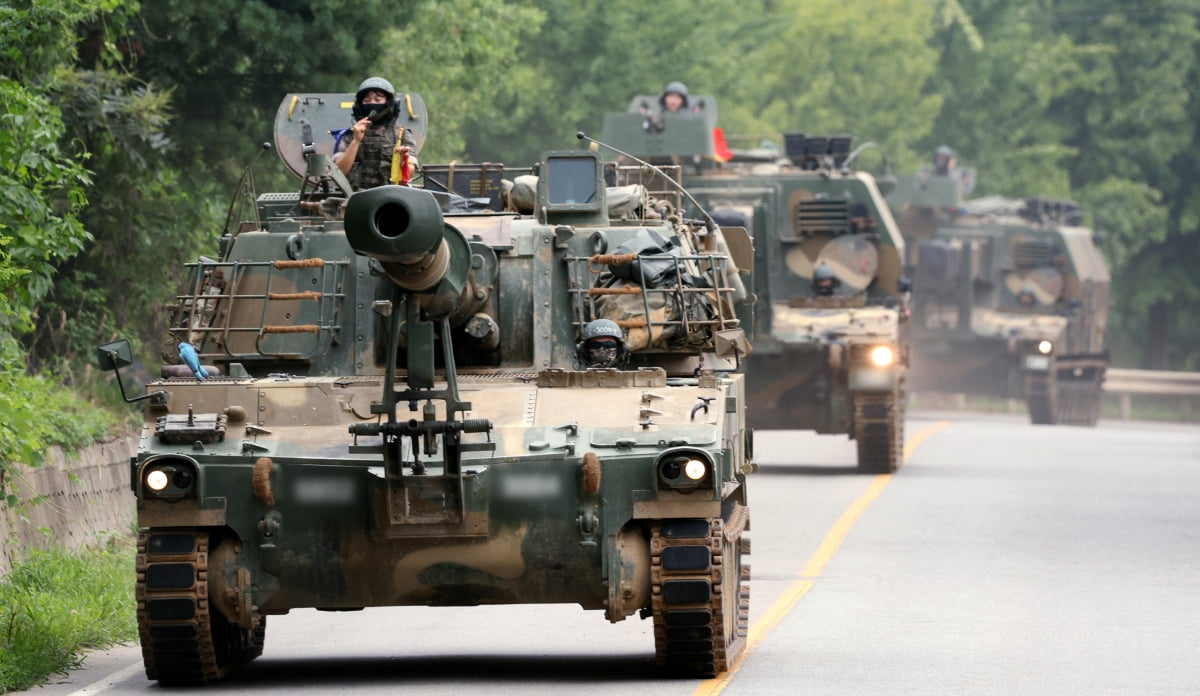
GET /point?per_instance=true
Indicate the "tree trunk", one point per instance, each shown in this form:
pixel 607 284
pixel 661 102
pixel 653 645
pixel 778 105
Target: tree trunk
pixel 1157 339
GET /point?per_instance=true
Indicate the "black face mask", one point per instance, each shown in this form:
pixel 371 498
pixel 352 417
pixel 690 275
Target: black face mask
pixel 362 111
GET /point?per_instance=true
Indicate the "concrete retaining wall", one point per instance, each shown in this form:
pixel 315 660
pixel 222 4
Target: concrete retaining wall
pixel 75 511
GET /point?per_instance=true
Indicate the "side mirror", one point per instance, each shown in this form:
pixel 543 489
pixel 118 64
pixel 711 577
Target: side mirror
pixel 904 284
pixel 113 356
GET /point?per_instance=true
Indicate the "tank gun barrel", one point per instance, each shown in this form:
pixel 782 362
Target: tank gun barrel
pixel 401 227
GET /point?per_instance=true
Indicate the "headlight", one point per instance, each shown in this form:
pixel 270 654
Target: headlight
pixel 1044 347
pixel 169 477
pixel 882 356
pixel 695 469
pixel 157 480
pixel 684 470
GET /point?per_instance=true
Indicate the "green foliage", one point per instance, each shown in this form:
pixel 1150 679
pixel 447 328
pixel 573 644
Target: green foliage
pixel 458 55
pixel 37 412
pixel 588 59
pixel 231 61
pixel 56 605
pixel 140 210
pixel 41 194
pixel 823 66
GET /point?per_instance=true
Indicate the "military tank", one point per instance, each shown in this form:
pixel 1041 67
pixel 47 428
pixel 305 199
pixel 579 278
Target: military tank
pixel 380 398
pixel 829 359
pixel 1010 298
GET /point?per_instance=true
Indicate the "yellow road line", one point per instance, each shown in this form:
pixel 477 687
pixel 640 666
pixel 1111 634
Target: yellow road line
pixel 813 568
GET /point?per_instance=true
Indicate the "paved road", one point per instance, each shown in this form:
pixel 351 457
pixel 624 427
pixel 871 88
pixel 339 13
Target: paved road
pixel 1003 559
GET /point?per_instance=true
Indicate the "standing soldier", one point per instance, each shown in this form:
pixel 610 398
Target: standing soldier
pixel 365 154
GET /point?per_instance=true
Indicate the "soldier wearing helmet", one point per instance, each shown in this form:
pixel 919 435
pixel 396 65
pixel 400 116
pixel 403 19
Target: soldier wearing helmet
pixel 674 97
pixel 824 281
pixel 365 154
pixel 943 160
pixel 603 344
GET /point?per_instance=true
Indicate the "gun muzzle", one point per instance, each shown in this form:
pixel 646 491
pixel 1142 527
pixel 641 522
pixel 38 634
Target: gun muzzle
pixel 402 227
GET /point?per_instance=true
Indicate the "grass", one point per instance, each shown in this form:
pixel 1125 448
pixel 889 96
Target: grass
pixel 57 604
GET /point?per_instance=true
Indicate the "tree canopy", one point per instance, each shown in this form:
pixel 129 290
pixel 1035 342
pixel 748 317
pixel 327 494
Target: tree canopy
pixel 126 123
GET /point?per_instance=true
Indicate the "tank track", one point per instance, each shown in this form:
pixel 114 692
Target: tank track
pixel 183 642
pixel 879 430
pixel 1064 401
pixel 700 592
pixel 1041 398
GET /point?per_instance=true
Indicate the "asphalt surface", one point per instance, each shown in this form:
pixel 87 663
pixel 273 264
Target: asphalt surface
pixel 1004 558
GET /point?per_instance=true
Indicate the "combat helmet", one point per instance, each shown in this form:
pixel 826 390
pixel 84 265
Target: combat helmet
pixel 377 83
pixel 675 87
pixel 602 327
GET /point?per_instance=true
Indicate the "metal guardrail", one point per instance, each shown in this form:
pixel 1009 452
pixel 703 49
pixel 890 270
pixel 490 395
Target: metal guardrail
pixel 1126 383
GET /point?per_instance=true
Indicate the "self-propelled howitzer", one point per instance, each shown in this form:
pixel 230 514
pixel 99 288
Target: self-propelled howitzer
pixel 832 359
pixel 1010 298
pixel 387 406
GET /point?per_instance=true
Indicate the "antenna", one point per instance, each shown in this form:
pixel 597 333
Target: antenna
pixel 709 224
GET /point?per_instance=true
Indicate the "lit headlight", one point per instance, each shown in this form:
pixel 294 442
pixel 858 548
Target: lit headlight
pixel 156 480
pixel 684 470
pixel 882 356
pixel 1044 347
pixel 169 477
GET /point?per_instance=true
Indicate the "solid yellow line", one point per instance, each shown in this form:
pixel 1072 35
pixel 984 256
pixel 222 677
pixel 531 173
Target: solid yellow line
pixel 813 568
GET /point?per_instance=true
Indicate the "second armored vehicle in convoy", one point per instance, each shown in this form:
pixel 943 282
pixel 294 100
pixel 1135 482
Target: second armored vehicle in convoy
pixel 389 398
pixel 830 336
pixel 1010 298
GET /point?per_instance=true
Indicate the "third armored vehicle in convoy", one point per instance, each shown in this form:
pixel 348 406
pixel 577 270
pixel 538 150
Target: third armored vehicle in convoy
pixel 1010 298
pixel 387 398
pixel 830 353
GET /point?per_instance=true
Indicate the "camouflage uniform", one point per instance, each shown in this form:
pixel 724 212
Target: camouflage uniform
pixel 373 163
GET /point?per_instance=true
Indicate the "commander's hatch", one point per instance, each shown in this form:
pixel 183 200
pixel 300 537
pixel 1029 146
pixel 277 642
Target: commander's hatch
pixel 310 120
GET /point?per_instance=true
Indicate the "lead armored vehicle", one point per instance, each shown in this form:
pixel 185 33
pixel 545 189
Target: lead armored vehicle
pixel 1010 298
pixel 830 353
pixel 382 399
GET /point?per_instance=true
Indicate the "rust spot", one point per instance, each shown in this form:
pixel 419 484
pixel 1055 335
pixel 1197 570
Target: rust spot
pixel 591 474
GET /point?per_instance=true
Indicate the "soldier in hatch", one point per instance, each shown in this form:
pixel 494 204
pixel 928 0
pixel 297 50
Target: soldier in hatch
pixel 603 344
pixel 825 281
pixel 365 154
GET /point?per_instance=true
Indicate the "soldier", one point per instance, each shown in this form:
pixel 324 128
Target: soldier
pixel 603 344
pixel 674 97
pixel 824 281
pixel 365 153
pixel 945 163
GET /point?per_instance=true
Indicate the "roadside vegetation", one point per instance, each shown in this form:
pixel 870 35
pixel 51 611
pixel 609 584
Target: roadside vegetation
pixel 56 605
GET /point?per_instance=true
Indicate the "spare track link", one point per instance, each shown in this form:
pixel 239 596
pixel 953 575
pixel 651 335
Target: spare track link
pixel 879 431
pixel 183 643
pixel 700 592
